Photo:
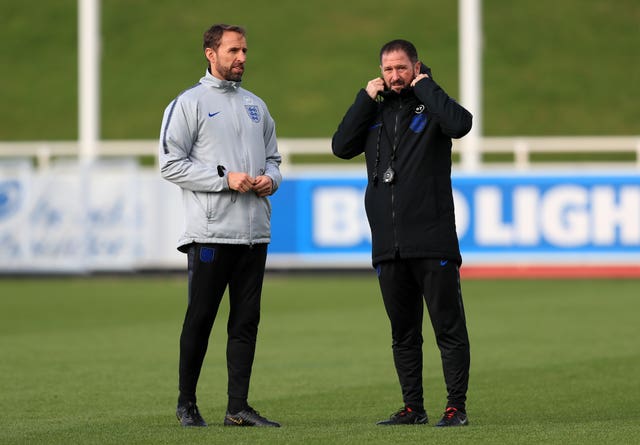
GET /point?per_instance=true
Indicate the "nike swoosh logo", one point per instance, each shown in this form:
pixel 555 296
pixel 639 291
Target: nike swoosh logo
pixel 237 421
pixel 213 114
pixel 443 262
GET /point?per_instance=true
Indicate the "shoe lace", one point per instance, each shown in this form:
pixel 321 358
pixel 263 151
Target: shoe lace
pixel 402 412
pixel 253 411
pixel 450 413
pixel 192 410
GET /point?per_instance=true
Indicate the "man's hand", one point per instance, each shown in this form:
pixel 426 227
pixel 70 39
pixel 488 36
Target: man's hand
pixel 418 78
pixel 263 186
pixel 240 182
pixel 374 87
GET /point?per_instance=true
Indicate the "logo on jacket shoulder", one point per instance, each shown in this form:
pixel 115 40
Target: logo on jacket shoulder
pixel 254 112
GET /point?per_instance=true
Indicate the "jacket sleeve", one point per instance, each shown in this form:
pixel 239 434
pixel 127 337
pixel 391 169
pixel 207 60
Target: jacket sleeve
pixel 454 119
pixel 350 138
pixel 273 158
pixel 177 136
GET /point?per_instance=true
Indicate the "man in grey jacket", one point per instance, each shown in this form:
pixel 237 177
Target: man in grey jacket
pixel 218 144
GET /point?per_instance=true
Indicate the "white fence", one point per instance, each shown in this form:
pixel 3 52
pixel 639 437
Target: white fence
pixel 59 215
pixel 520 149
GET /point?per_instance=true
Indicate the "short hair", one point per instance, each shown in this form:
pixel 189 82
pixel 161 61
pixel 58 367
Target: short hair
pixel 213 35
pixel 400 45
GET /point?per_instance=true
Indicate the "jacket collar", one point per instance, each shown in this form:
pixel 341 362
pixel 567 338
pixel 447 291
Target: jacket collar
pixel 402 95
pixel 223 85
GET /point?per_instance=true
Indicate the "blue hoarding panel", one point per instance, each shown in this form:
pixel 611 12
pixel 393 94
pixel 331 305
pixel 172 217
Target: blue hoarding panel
pixel 499 217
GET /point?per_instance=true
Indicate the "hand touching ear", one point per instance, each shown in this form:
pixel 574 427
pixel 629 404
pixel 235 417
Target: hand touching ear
pixel 374 87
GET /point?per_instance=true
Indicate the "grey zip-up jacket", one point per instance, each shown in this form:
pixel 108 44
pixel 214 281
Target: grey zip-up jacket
pixel 209 130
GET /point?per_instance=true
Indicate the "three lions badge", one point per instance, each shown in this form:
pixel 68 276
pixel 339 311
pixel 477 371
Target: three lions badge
pixel 254 113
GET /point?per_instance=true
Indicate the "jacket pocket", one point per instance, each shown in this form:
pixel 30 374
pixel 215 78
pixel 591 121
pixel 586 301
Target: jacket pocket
pixel 201 201
pixel 262 218
pixel 444 194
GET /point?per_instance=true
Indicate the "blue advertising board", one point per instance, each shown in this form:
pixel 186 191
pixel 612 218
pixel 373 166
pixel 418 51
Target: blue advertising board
pixel 68 220
pixel 555 217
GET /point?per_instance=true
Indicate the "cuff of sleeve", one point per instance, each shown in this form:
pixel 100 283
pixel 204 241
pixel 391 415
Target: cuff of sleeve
pixel 274 185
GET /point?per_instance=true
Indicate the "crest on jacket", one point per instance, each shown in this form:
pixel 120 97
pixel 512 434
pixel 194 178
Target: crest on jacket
pixel 254 112
pixel 418 123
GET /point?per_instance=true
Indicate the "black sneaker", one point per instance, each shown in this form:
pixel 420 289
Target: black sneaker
pixel 188 415
pixel 453 417
pixel 406 416
pixel 248 417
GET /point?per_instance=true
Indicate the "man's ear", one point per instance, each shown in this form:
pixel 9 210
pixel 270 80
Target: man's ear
pixel 210 54
pixel 416 68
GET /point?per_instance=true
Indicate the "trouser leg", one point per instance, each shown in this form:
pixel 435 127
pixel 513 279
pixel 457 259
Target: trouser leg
pixel 245 289
pixel 446 311
pixel 208 276
pixel 402 297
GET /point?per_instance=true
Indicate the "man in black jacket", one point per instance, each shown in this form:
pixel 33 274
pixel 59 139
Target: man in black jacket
pixel 404 122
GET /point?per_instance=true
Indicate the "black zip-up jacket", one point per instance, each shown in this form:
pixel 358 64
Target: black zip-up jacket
pixel 413 216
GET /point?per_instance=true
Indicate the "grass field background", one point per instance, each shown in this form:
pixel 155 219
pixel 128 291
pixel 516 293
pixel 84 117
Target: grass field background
pixel 550 67
pixel 94 360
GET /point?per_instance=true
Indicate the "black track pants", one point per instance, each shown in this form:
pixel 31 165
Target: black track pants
pixel 213 267
pixel 404 283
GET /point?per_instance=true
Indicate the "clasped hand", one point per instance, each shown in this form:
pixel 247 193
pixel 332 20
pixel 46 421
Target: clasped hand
pixel 242 182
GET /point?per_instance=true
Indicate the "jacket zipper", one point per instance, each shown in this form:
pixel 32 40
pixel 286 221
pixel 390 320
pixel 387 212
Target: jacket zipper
pixel 233 99
pixel 393 208
pixel 246 164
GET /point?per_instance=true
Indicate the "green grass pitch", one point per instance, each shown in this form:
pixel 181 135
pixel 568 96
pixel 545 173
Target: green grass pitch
pixel 94 360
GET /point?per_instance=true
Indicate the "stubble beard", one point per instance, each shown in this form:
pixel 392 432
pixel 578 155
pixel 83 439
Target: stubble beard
pixel 228 74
